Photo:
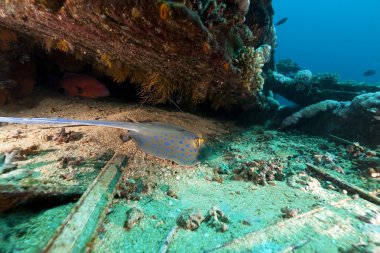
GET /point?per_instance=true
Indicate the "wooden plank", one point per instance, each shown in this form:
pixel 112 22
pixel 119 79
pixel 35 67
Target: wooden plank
pixel 343 184
pixel 76 231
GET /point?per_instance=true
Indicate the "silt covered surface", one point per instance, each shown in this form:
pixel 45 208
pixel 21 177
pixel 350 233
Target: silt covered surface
pixel 325 219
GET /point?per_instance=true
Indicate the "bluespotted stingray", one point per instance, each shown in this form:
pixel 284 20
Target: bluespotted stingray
pixel 158 139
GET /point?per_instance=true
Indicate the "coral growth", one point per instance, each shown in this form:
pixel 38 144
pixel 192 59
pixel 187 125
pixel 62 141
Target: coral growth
pixel 369 102
pixel 63 46
pixel 194 47
pixel 251 63
pixel 157 89
pixel 358 119
pixel 119 72
pixel 105 59
pixel 326 79
pixel 287 67
pixel 303 77
pixel 312 110
pixel 164 10
pixel 48 44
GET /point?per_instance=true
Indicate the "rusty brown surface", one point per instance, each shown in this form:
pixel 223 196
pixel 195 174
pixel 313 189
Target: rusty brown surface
pixel 168 48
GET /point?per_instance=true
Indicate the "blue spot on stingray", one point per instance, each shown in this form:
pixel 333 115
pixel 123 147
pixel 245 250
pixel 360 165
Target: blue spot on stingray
pixel 154 145
pixel 191 151
pixel 187 145
pixel 172 141
pixel 167 143
pixel 167 150
pixel 195 150
pixel 156 137
pixel 188 137
pixel 161 136
pixel 182 149
pixel 182 154
pixel 180 142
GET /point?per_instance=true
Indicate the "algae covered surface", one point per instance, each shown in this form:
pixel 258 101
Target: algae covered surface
pixel 252 191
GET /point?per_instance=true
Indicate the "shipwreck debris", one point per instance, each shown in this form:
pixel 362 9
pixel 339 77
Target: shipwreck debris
pixel 191 59
pixel 343 184
pixel 76 231
pixel 12 195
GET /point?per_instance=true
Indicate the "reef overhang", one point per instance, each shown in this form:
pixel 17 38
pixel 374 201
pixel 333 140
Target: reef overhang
pixel 192 51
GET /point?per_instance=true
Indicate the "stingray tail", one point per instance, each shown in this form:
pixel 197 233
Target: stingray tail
pixel 114 124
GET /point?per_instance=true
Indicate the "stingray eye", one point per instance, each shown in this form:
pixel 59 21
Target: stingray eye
pixel 199 142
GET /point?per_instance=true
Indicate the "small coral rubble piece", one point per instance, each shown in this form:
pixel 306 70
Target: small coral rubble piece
pixel 70 161
pixel 303 181
pixel 133 217
pixel 260 171
pixel 64 137
pixel 217 219
pixel 190 219
pixel 289 212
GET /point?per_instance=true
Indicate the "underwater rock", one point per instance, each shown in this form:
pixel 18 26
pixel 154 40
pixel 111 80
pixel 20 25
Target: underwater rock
pixel 181 51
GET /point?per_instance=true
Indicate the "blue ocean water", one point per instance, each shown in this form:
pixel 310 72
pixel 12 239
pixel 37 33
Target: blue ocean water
pixel 341 36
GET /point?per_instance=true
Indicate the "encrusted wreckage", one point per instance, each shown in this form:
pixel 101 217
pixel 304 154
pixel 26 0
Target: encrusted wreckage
pixel 192 51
